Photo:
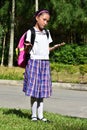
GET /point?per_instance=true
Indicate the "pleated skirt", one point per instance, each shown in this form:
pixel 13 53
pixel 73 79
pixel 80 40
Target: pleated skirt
pixel 37 79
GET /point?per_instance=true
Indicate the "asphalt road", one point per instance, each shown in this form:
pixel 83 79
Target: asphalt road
pixel 63 101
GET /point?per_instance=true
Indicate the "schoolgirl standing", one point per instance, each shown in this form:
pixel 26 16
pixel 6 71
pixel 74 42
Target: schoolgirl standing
pixel 37 79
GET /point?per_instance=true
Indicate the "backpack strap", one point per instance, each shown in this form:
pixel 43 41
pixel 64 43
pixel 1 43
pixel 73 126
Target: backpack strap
pixel 32 41
pixel 32 35
pixel 47 33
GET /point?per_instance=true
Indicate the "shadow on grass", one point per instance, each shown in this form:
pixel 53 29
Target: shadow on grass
pixel 27 114
pixel 19 113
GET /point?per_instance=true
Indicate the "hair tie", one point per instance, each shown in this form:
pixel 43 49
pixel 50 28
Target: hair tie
pixel 41 11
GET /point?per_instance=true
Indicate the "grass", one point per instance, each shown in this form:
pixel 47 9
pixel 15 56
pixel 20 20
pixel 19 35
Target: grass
pixel 64 73
pixel 13 73
pixel 69 73
pixel 14 119
pixel 68 78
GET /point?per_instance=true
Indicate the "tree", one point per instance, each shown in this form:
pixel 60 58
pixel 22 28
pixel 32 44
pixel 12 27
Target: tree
pixel 36 5
pixel 69 18
pixel 68 22
pixel 2 60
pixel 4 10
pixel 11 47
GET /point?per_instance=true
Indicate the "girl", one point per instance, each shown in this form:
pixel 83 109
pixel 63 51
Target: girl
pixel 37 80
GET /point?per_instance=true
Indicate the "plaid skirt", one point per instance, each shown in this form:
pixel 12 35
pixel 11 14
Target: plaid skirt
pixel 37 79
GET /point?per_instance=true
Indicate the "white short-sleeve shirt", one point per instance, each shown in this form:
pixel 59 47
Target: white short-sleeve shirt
pixel 40 48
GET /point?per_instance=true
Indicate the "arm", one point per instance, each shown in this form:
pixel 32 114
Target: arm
pixel 28 46
pixel 56 46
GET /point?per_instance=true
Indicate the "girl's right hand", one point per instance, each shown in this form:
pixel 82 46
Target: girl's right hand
pixel 28 47
pixel 28 44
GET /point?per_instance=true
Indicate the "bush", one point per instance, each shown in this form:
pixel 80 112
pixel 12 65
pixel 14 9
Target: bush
pixel 70 54
pixel 81 54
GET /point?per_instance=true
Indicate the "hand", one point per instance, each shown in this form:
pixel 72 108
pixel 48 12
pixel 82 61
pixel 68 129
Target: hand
pixel 57 45
pixel 63 43
pixel 28 47
pixel 28 44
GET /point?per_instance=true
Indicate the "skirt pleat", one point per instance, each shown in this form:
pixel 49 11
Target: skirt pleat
pixel 37 79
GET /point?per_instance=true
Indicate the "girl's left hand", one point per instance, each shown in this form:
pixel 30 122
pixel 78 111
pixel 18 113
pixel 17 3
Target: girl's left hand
pixel 63 43
pixel 58 45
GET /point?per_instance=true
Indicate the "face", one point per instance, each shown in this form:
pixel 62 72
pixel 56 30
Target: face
pixel 42 20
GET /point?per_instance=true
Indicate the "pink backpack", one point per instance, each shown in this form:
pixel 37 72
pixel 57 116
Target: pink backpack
pixel 22 56
pixel 21 59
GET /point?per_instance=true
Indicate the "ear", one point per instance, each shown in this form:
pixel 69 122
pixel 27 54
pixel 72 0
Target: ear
pixel 36 18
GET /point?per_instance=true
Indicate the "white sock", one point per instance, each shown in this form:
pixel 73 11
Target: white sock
pixel 34 106
pixel 40 108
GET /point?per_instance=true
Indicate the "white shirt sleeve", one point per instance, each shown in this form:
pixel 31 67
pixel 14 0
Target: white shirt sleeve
pixel 28 36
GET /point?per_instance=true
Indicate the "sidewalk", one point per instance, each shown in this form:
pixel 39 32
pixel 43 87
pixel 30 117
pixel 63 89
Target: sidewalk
pixel 63 101
pixel 82 87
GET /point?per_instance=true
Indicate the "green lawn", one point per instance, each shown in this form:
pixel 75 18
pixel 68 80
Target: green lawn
pixel 14 119
pixel 59 73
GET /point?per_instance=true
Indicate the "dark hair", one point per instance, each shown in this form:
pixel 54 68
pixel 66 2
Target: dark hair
pixel 38 13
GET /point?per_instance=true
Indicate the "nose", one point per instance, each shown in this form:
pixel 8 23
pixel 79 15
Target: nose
pixel 46 22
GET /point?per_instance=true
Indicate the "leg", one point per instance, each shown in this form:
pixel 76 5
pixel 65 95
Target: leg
pixel 40 110
pixel 34 108
pixel 40 107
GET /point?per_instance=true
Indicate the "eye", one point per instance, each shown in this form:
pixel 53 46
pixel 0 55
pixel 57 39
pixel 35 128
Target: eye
pixel 46 20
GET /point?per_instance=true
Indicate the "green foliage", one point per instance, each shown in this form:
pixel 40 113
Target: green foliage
pixel 81 54
pixel 70 54
pixel 83 72
pixel 69 24
pixel 13 73
pixel 68 13
pixel 24 10
pixel 83 69
pixel 69 73
pixel 4 11
pixel 70 20
pixel 4 18
pixel 17 119
pixel 65 73
pixel 70 69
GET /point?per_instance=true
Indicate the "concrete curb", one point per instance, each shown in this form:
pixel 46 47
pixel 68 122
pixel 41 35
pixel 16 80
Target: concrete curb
pixel 11 82
pixel 82 87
